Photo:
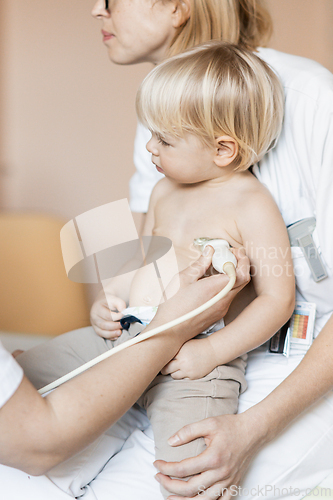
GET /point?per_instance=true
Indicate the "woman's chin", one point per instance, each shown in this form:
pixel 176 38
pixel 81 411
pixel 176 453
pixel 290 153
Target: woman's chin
pixel 123 59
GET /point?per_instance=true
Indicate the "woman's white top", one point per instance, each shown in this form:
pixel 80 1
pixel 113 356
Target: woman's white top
pixel 298 171
pixel 11 375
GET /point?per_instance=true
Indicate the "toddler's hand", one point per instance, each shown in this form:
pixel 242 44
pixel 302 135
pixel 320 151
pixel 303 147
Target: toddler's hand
pixel 194 360
pixel 105 321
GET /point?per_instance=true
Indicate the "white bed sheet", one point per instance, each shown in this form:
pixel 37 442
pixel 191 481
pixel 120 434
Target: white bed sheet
pixel 300 459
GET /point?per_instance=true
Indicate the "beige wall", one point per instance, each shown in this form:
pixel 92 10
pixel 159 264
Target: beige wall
pixel 67 114
pixel 304 27
pixel 67 117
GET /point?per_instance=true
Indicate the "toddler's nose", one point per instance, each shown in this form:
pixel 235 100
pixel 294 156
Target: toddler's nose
pixel 151 147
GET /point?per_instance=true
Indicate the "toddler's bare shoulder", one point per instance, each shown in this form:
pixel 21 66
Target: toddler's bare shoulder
pixel 250 189
pixel 162 188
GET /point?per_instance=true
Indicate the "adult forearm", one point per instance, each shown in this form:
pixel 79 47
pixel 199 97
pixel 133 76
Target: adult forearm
pixel 37 433
pixel 293 395
pixel 74 415
pixel 105 392
pixel 233 440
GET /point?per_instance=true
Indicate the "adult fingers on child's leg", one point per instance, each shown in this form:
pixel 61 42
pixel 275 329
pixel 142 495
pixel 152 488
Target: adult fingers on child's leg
pixel 219 490
pixel 208 485
pixel 194 466
pixel 182 488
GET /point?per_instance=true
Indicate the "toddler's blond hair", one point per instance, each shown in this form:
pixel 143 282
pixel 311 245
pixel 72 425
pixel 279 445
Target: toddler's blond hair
pixel 213 90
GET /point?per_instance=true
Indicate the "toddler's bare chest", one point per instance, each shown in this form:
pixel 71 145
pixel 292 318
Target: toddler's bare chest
pixel 187 214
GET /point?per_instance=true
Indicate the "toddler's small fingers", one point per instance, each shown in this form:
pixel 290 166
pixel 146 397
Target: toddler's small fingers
pixel 105 313
pixel 100 332
pixel 107 325
pixel 115 334
pixel 115 316
pixel 106 334
pixel 115 303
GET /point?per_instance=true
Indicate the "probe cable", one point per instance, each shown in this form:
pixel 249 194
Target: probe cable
pixel 228 268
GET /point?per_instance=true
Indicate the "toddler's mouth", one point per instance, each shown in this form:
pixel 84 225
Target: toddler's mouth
pixel 159 169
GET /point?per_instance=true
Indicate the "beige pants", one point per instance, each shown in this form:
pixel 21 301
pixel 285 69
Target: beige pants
pixel 170 404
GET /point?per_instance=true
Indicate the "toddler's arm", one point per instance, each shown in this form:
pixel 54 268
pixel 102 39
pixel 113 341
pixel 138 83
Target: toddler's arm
pixel 266 242
pixel 106 310
pixel 105 315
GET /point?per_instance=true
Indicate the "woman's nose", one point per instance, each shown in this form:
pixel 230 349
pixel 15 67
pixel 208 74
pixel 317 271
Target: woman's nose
pixel 101 9
pixel 151 147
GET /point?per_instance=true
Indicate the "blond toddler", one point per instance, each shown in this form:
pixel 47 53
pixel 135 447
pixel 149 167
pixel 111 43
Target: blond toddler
pixel 213 112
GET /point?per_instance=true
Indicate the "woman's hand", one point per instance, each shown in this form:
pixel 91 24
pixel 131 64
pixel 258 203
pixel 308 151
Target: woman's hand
pixel 104 321
pixel 194 360
pixel 232 441
pixel 194 292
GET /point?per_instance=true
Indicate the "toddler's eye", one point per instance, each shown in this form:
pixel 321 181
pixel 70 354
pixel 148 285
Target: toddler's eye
pixel 162 141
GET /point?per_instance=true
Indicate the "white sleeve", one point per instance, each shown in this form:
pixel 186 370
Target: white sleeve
pixel 299 171
pixel 11 375
pixel 309 121
pixel 146 176
pixel 322 170
pixel 313 143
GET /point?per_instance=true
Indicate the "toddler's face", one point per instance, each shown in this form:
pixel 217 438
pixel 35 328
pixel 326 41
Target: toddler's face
pixel 186 160
pixel 136 30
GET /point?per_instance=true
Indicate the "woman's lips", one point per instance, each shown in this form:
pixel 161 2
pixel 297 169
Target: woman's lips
pixel 106 35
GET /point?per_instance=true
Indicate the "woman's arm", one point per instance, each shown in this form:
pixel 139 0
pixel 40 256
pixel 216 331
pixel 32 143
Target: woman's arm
pixel 233 440
pixel 36 434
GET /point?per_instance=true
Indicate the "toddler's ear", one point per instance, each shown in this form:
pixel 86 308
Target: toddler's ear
pixel 226 151
pixel 181 12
